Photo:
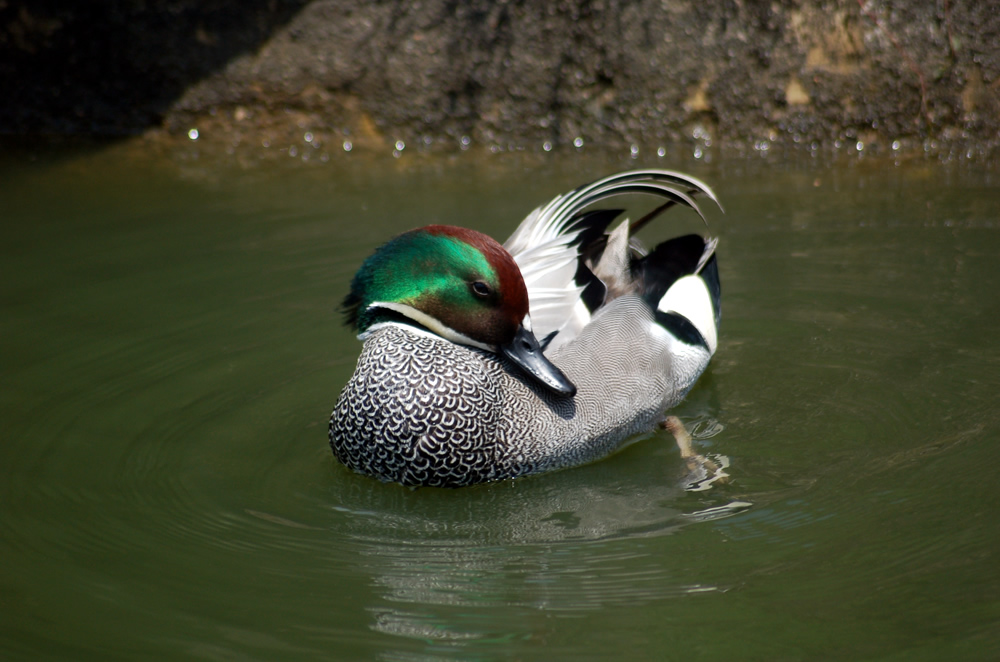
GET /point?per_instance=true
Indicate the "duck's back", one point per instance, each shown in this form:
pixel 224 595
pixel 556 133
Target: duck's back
pixel 623 366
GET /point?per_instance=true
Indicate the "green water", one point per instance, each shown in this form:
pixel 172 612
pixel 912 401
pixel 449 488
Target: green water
pixel 170 350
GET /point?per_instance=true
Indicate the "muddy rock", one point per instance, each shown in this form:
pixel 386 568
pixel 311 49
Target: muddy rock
pixel 506 73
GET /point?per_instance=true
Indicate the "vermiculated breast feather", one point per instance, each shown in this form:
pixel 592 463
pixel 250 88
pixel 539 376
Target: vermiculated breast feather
pixel 418 411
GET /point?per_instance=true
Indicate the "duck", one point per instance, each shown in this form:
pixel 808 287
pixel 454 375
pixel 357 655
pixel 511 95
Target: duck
pixel 483 362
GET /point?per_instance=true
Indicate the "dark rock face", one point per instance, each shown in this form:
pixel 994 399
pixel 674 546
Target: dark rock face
pixel 118 66
pixel 514 72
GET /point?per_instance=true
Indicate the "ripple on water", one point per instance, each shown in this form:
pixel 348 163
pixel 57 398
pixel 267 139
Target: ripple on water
pixel 167 465
pixel 570 542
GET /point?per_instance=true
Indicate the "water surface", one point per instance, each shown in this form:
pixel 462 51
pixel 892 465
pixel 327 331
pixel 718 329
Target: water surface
pixel 170 349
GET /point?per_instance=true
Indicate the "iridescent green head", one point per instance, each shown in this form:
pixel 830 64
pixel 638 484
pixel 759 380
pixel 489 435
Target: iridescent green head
pixel 457 283
pixel 442 276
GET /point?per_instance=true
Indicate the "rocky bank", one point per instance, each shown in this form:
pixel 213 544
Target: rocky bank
pixel 440 73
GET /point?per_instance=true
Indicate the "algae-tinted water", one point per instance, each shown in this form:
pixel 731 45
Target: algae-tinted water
pixel 170 349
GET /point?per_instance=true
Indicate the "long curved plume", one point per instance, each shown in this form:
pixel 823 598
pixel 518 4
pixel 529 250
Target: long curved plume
pixel 547 245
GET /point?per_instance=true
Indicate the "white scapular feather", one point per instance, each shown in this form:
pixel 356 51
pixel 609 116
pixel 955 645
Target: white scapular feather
pixel 545 249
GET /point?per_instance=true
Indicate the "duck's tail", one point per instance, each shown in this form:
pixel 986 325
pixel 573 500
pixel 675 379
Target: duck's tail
pixel 680 281
pixel 573 265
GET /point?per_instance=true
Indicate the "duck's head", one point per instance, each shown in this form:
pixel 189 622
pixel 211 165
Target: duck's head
pixel 459 284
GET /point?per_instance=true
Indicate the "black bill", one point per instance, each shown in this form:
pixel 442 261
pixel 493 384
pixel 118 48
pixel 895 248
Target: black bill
pixel 525 351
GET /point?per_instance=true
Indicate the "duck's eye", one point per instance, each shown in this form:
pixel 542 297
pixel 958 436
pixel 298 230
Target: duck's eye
pixel 481 289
